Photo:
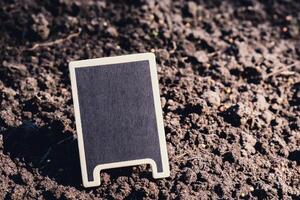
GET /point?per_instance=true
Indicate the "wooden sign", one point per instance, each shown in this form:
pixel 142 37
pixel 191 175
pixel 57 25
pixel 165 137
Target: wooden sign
pixel 118 115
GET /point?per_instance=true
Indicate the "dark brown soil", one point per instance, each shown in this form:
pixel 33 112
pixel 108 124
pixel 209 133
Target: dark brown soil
pixel 230 92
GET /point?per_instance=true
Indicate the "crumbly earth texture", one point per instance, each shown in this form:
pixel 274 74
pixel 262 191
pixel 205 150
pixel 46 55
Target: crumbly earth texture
pixel 230 92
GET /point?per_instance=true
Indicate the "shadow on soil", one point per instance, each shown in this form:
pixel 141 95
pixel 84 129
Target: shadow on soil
pixel 53 153
pixel 50 151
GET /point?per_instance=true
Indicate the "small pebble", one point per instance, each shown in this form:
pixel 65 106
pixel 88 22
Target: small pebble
pixel 284 29
pixel 248 142
pixel 212 98
pixel 288 18
pixel 261 102
pixel 201 56
pixel 267 116
pixel 192 8
pixel 40 26
pixel 227 90
pixel 113 31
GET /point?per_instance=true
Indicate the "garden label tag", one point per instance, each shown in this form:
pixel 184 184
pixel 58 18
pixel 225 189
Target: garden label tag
pixel 118 115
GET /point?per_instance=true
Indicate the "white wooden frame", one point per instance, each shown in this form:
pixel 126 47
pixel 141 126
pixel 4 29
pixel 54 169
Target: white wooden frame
pixel 159 118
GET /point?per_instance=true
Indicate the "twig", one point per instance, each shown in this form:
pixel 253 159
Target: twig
pixel 68 138
pixel 58 41
pixel 177 158
pixel 193 158
pixel 45 155
pixel 174 47
pixel 278 71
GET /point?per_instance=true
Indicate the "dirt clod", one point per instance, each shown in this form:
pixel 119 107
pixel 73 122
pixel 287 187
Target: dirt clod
pixel 261 102
pixel 212 98
pixel 40 26
pixel 248 142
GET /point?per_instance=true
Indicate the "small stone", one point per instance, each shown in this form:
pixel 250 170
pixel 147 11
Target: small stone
pixel 164 54
pixel 275 107
pixel 174 122
pixel 163 102
pixel 74 21
pixel 248 142
pixel 288 18
pixel 207 65
pixel 212 98
pixel 40 26
pixel 261 102
pixel 267 116
pixel 34 60
pixel 243 121
pixel 284 29
pixel 227 90
pixel 112 31
pixel 201 56
pixel 189 48
pixel 171 105
pixel 192 8
pixel 154 33
pixel 222 108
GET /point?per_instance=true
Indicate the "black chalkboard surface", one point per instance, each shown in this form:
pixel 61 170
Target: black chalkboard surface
pixel 118 115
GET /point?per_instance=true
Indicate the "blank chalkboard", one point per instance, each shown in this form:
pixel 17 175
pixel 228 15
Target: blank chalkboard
pixel 118 115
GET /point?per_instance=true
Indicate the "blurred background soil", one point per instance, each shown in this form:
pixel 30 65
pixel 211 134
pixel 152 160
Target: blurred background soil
pixel 230 92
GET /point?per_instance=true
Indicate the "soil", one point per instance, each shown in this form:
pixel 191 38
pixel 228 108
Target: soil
pixel 230 91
